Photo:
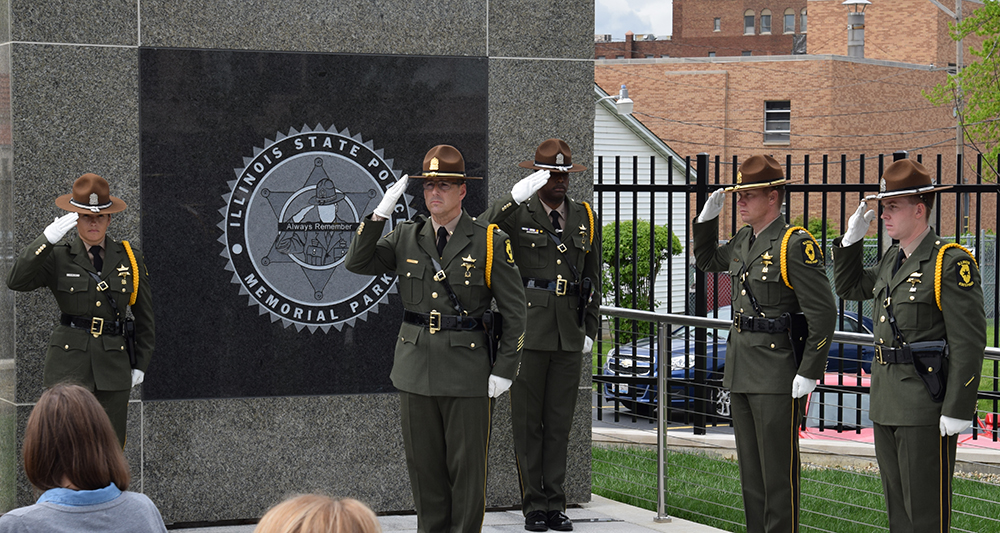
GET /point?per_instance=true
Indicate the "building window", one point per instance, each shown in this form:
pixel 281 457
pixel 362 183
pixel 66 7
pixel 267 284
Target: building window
pixel 747 53
pixel 619 57
pixel 802 22
pixel 650 56
pixel 711 54
pixel 718 24
pixel 748 22
pixel 765 21
pixel 602 57
pixel 777 122
pixel 789 22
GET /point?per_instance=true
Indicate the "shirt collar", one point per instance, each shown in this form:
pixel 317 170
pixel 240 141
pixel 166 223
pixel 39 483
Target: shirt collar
pixel 450 226
pixel 79 498
pixel 912 247
pixel 561 209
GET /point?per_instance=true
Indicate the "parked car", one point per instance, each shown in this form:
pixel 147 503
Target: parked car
pixel 641 398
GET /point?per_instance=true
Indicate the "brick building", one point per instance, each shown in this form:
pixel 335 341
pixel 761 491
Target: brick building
pixel 716 28
pixel 813 105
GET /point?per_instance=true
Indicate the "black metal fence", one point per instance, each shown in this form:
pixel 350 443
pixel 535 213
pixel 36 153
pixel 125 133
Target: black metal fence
pixel 822 196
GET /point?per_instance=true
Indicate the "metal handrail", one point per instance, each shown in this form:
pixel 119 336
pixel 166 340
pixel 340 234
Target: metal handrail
pixel 662 343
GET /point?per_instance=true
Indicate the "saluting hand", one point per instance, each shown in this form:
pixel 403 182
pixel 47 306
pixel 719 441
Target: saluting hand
pixel 388 203
pixel 857 225
pixel 713 206
pixel 58 228
pixel 523 189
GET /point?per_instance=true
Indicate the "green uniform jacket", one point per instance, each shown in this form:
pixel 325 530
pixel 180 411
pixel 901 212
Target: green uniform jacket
pixel 65 269
pixel 759 362
pixel 529 226
pixel 447 363
pixel 898 396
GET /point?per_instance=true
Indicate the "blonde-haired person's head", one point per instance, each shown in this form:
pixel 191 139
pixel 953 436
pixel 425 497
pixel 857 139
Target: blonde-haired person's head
pixel 314 513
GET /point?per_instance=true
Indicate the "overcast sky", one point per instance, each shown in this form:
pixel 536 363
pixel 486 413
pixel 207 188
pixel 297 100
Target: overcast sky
pixel 638 16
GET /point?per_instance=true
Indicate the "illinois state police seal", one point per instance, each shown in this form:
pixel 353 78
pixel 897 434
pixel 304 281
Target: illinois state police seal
pixel 289 218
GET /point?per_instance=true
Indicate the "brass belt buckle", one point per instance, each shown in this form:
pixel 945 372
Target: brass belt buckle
pixel 434 322
pixel 878 355
pixel 736 323
pixel 438 276
pixel 561 285
pixel 96 327
pixel 562 248
pixel 103 285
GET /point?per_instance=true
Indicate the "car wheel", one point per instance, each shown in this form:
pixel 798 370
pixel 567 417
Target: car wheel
pixel 722 401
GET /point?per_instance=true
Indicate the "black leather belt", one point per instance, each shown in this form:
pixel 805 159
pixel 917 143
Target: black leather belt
pixel 561 287
pixel 756 323
pixel 885 355
pixel 96 326
pixel 435 321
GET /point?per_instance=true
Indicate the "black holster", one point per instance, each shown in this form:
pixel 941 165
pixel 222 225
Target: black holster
pixel 493 324
pixel 586 292
pixel 129 334
pixel 798 332
pixel 928 359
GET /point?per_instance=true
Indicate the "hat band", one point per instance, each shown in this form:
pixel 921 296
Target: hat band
pixel 94 208
pixel 436 174
pixel 905 192
pixel 554 167
pixel 754 185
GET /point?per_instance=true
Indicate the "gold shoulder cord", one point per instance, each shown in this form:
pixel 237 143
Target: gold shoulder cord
pixel 784 252
pixel 135 273
pixel 937 268
pixel 489 253
pixel 590 215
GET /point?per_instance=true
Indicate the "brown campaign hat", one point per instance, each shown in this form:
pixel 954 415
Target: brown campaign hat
pixel 553 155
pixel 91 194
pixel 444 161
pixel 905 177
pixel 756 172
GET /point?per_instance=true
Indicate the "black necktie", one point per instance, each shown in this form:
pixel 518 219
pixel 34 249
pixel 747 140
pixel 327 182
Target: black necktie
pixel 753 237
pixel 442 240
pixel 555 220
pixel 900 257
pixel 98 262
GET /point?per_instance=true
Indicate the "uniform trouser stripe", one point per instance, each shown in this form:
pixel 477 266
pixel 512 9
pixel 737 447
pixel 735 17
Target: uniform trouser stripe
pixel 766 428
pixel 913 460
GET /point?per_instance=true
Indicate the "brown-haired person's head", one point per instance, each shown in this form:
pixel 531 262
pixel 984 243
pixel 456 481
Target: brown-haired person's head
pixel 69 442
pixel 314 513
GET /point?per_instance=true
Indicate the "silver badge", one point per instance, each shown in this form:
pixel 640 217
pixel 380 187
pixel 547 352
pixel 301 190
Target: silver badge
pixel 559 159
pixel 93 198
pixel 881 185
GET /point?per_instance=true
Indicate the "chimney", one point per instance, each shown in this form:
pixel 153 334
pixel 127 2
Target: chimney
pixel 856 27
pixel 629 44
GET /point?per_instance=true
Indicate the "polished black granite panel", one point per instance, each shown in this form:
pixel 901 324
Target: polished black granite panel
pixel 274 143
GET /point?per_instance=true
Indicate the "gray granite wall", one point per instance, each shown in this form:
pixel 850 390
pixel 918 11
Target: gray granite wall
pixel 69 103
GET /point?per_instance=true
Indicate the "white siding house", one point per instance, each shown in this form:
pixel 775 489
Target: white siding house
pixel 625 137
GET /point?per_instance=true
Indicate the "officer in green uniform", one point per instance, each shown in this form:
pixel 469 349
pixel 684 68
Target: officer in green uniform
pixel 919 400
pixel 776 272
pixel 442 363
pixel 558 251
pixel 94 279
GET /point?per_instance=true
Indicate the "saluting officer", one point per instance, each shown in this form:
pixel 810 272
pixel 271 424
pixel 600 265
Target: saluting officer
pixel 558 251
pixel 777 272
pixel 930 334
pixel 94 279
pixel 450 267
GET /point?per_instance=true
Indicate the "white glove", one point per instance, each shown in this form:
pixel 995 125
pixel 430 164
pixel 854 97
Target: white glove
pixel 58 228
pixel 713 206
pixel 588 344
pixel 523 189
pixel 953 426
pixel 802 386
pixel 855 228
pixel 498 385
pixel 388 203
pixel 137 376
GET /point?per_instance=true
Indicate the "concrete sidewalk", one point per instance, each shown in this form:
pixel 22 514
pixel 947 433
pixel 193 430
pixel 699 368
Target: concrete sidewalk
pixel 601 515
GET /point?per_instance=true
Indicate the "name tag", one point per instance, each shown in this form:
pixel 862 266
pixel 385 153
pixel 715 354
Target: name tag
pixel 72 275
pixel 531 231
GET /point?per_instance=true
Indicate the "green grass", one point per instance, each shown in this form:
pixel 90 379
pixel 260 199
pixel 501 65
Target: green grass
pixel 706 489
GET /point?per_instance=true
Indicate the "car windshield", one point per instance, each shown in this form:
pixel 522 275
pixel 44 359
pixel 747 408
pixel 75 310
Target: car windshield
pixel 713 335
